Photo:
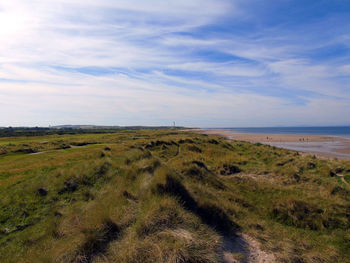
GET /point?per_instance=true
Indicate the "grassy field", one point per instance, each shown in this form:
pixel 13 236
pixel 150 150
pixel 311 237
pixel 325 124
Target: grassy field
pixel 167 196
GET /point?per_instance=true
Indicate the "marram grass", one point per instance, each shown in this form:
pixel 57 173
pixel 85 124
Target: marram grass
pixel 166 196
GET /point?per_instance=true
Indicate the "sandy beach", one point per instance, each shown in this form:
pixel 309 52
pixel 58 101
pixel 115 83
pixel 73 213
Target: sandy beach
pixel 320 145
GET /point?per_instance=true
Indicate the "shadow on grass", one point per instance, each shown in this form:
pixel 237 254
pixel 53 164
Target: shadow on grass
pixel 210 214
pixel 97 242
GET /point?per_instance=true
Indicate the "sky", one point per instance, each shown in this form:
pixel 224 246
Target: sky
pixel 200 63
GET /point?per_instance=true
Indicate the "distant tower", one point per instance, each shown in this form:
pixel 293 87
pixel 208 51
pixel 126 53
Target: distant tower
pixel 174 124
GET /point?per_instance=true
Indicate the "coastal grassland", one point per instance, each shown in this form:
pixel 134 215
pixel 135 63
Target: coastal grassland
pixel 166 196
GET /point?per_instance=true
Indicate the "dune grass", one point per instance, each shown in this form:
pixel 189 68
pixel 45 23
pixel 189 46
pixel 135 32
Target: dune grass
pixel 166 196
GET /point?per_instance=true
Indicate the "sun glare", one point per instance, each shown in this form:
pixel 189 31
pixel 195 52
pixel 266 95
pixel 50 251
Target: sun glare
pixel 11 23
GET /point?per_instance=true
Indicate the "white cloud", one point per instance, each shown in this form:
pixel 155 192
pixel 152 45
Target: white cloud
pixel 230 69
pixel 299 74
pixel 45 46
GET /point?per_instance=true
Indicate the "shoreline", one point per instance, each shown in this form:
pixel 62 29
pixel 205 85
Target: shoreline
pixel 320 145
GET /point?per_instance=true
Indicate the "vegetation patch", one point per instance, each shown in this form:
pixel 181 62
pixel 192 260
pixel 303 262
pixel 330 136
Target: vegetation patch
pixel 229 169
pixel 194 148
pixel 166 196
pixel 305 215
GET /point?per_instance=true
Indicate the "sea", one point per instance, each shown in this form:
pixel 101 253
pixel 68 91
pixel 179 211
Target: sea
pixel 340 131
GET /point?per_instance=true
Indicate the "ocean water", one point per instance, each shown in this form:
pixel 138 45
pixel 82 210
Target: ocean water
pixel 343 131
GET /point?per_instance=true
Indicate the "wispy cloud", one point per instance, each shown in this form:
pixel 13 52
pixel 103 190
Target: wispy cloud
pixel 201 63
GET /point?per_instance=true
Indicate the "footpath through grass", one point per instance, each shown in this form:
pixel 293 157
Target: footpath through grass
pixel 166 196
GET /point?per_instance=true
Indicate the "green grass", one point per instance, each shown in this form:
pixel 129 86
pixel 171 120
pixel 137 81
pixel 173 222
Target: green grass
pixel 347 178
pixel 166 196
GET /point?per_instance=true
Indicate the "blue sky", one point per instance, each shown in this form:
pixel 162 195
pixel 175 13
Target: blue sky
pixel 206 63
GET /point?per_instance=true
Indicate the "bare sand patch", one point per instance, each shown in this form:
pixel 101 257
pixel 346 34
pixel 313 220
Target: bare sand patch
pixel 243 248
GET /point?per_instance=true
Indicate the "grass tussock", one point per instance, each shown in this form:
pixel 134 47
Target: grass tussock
pixel 96 241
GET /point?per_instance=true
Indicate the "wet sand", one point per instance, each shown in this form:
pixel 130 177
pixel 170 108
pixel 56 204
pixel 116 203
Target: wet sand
pixel 320 145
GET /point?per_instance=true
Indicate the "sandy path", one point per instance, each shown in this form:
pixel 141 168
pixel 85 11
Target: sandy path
pixel 244 249
pixel 343 179
pixel 55 150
